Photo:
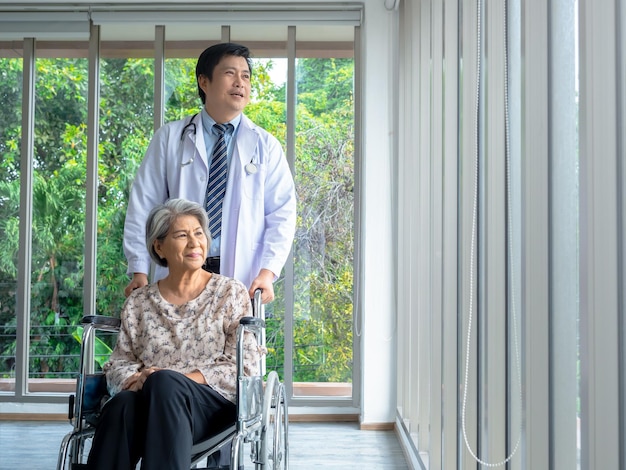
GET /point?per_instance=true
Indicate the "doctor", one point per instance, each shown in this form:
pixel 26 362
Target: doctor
pixel 259 205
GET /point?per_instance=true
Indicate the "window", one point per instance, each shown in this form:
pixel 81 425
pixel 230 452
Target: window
pixel 58 228
pixel 323 252
pixel 10 147
pixel 310 322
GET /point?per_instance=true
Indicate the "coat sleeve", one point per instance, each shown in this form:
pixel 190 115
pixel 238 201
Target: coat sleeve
pixel 149 189
pixel 280 210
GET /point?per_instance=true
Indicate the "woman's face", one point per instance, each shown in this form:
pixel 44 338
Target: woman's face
pixel 185 245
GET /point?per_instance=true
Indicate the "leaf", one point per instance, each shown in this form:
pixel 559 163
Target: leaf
pixel 102 352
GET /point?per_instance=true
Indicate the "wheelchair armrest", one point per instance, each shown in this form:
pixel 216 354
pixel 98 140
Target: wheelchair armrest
pixel 252 321
pixel 102 322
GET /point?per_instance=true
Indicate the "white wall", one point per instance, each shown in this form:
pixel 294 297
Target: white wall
pixel 378 304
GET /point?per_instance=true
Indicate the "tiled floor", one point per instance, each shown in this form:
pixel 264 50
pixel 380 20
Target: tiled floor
pixel 35 446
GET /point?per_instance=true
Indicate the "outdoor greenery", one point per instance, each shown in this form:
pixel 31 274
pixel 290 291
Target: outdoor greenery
pixel 323 249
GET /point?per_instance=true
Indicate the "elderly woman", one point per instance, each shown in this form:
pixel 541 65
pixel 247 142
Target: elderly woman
pixel 172 374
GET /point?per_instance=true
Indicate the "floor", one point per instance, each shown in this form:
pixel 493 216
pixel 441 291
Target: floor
pixel 311 445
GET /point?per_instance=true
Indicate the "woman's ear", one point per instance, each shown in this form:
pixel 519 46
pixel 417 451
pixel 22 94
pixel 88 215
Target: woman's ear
pixel 157 248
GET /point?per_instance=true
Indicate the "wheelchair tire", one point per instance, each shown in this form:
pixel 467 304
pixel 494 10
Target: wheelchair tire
pixel 274 429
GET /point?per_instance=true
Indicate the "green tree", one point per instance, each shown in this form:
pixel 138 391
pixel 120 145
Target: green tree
pixel 126 126
pixel 324 179
pixel 325 85
pixel 323 247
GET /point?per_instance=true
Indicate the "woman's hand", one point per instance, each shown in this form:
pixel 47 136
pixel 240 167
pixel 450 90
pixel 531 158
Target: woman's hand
pixel 135 382
pixel 196 376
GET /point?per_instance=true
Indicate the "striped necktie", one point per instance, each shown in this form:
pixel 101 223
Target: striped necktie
pixel 217 181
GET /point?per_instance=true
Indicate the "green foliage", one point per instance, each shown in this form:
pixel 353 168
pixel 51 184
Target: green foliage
pixel 11 99
pixel 325 85
pixel 181 90
pixel 323 248
pixel 324 244
pixel 323 332
pixel 102 350
pixel 126 126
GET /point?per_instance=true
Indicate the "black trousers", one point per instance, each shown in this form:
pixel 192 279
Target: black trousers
pixel 158 424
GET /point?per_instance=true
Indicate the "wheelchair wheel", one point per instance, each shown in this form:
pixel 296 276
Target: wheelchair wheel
pixel 274 429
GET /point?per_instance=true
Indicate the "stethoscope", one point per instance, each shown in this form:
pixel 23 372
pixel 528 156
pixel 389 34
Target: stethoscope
pixel 251 168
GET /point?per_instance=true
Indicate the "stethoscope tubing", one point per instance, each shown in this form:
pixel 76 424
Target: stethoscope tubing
pixel 251 168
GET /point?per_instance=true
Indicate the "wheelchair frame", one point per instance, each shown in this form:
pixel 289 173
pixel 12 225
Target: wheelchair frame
pixel 262 411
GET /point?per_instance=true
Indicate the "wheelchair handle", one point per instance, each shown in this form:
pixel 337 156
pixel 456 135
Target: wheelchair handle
pixel 258 312
pixel 257 305
pixel 102 322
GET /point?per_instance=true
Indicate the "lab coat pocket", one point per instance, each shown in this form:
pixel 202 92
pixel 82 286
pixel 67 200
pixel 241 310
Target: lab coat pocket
pixel 254 182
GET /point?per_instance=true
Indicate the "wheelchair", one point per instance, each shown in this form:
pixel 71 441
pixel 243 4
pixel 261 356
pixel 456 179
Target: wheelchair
pixel 262 413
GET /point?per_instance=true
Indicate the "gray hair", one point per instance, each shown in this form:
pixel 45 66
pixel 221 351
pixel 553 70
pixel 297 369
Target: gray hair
pixel 163 216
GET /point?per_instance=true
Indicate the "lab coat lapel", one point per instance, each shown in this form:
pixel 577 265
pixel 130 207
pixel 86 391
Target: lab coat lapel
pixel 246 142
pixel 199 140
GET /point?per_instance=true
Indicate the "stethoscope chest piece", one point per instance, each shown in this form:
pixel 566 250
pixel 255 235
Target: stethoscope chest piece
pixel 251 168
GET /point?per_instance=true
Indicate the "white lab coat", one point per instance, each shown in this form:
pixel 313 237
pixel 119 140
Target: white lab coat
pixel 259 209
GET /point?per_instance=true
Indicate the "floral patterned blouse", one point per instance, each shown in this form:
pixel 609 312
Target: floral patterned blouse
pixel 198 335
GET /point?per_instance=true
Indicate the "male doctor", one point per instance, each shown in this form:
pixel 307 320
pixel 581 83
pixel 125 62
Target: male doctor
pixel 259 205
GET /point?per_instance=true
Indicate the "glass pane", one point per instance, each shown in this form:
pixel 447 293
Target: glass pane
pixel 10 141
pixel 267 108
pixel 181 90
pixel 126 126
pixel 324 245
pixel 59 183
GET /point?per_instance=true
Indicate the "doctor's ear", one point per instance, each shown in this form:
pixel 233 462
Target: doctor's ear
pixel 203 81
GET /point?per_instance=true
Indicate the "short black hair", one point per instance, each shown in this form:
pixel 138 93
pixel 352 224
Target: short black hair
pixel 211 56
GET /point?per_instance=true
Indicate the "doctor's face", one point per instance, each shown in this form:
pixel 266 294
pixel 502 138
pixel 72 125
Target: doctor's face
pixel 229 92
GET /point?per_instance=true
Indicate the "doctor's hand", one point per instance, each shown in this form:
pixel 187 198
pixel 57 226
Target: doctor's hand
pixel 138 280
pixel 265 282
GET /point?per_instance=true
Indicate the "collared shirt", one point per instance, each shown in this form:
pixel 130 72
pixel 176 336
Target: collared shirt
pixel 210 139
